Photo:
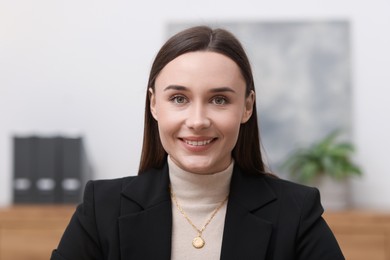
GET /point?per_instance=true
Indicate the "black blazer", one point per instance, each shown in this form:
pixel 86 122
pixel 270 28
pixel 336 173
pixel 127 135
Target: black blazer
pixel 131 218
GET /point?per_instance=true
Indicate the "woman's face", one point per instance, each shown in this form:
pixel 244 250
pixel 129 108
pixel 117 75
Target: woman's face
pixel 199 103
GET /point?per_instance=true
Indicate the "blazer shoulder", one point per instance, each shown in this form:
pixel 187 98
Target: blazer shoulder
pixel 292 192
pixel 107 190
pixel 102 185
pixel 299 213
pixel 287 185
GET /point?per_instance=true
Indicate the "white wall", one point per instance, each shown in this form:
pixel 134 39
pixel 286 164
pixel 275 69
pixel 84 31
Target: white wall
pixel 83 66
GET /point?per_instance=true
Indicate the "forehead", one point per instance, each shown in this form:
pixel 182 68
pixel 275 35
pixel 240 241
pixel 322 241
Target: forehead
pixel 202 68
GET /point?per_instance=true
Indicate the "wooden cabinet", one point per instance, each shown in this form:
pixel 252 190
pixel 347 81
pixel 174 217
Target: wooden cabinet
pixel 31 232
pixel 362 235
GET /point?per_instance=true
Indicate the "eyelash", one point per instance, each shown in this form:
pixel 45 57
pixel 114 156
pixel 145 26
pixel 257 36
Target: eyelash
pixel 225 100
pixel 174 99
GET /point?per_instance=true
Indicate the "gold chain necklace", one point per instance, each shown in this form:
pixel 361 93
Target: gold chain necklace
pixel 198 242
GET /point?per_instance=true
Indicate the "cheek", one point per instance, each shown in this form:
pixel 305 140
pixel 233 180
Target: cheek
pixel 229 125
pixel 167 123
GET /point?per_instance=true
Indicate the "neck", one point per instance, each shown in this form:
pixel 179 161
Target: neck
pixel 198 188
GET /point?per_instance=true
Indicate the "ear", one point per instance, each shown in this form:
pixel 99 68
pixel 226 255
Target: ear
pixel 152 100
pixel 249 102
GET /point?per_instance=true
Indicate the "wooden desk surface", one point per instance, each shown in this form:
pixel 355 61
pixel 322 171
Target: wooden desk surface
pixel 32 212
pixel 362 234
pixel 33 231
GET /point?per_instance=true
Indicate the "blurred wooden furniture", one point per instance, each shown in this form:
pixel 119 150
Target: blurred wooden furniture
pixel 362 235
pixel 32 232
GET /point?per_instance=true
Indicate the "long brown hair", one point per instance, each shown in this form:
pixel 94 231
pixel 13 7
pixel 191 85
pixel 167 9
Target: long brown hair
pixel 247 152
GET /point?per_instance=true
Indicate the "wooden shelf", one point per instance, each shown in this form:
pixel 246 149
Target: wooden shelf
pixel 33 231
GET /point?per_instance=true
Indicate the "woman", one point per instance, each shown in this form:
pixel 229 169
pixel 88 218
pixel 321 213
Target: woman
pixel 202 191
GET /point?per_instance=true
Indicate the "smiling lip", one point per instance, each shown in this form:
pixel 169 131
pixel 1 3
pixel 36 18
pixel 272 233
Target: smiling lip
pixel 197 144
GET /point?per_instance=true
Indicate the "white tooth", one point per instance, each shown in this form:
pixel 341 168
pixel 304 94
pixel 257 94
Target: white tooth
pixel 198 143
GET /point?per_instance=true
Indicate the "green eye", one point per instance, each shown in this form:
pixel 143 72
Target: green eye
pixel 178 99
pixel 219 101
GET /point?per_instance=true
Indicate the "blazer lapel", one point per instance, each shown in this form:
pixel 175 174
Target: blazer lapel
pixel 145 224
pixel 246 235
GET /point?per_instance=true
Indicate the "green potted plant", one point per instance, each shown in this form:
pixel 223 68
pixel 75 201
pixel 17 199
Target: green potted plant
pixel 326 164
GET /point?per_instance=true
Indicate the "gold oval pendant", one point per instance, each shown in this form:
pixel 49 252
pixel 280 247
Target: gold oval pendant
pixel 198 242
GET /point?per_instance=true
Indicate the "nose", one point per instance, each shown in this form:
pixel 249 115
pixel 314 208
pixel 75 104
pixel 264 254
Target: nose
pixel 198 117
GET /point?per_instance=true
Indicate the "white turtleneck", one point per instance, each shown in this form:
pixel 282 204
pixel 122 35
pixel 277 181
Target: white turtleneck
pixel 198 195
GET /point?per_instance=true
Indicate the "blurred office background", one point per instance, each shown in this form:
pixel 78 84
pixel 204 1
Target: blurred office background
pixel 81 68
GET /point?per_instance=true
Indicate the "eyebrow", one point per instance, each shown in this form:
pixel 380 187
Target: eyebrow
pixel 175 87
pixel 222 89
pixel 213 90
